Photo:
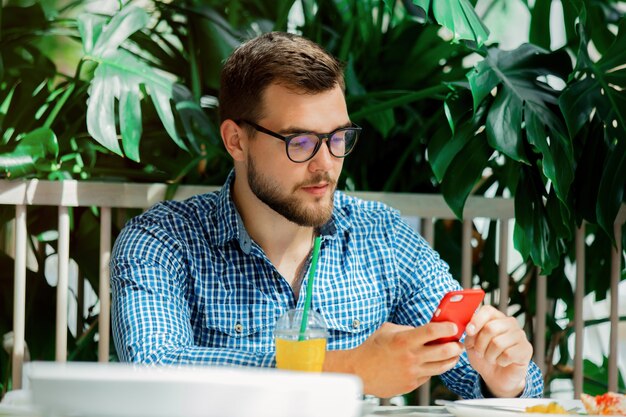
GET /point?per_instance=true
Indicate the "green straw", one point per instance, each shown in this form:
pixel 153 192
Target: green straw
pixel 309 288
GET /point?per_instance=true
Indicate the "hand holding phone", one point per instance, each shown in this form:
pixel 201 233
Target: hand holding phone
pixel 457 307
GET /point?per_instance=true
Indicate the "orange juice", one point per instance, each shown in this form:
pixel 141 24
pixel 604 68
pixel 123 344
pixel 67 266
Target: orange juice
pixel 307 355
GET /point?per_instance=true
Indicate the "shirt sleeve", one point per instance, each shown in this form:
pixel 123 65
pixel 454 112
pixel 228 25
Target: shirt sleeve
pixel 150 316
pixel 424 279
pixel 464 381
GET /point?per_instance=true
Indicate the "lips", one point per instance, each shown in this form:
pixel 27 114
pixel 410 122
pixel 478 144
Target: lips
pixel 316 189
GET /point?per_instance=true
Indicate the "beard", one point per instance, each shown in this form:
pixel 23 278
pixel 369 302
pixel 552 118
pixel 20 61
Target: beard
pixel 288 205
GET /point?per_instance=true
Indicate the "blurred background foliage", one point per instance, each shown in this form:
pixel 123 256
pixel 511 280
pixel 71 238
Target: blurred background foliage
pixel 126 91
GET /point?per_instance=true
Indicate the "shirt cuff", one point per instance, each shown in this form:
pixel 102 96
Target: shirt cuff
pixel 268 360
pixel 532 389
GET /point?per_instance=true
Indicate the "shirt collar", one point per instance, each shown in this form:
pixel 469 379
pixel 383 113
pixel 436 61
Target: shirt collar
pixel 227 218
pixel 339 220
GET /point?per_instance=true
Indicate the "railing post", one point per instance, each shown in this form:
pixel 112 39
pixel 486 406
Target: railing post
pixel 466 254
pixel 503 263
pixel 616 270
pixel 19 296
pixel 428 232
pixel 540 325
pixel 63 259
pixel 579 294
pixel 104 319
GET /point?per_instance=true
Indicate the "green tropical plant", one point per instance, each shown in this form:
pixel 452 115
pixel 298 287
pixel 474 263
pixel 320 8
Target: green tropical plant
pixel 107 95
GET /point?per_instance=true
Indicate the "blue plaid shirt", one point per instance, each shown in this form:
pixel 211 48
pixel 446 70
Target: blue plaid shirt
pixel 190 286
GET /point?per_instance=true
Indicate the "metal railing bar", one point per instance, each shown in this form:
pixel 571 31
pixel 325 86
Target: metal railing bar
pixel 63 259
pixel 80 302
pixel 540 325
pixel 104 319
pixel 616 270
pixel 19 296
pixel 503 263
pixel 466 254
pixel 579 294
pixel 428 233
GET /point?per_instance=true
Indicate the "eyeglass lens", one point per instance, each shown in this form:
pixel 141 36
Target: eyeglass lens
pixel 300 148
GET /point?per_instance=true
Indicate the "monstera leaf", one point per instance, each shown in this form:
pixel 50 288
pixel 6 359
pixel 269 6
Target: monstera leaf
pixel 515 113
pixel 458 16
pixel 36 150
pixel 123 77
pixel 458 161
pixel 597 90
pixel 523 109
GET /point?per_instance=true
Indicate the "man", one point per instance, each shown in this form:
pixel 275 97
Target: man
pixel 203 281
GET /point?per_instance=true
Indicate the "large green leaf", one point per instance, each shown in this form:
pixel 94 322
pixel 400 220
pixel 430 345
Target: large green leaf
pixel 596 90
pixel 37 149
pixel 598 87
pixel 558 158
pixel 589 172
pixel 597 25
pixel 393 99
pixel 466 169
pixel 25 90
pixel 612 186
pixel 458 16
pixel 442 149
pixel 596 377
pixel 533 236
pixel 123 77
pixel 213 41
pixel 524 108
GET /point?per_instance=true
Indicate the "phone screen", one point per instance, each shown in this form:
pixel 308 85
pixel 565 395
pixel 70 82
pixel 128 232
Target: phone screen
pixel 457 307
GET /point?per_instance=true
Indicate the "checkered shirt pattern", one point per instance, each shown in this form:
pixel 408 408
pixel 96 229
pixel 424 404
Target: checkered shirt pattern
pixel 190 286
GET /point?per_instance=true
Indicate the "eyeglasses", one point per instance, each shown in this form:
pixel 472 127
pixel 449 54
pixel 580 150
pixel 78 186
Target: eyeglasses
pixel 301 147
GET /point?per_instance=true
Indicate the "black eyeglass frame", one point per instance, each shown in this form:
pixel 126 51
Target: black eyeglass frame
pixel 320 136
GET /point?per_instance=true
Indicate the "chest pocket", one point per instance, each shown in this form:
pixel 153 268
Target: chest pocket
pixel 351 323
pixel 249 327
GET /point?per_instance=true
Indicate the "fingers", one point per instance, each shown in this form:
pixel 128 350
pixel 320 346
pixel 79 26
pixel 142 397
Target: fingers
pixel 433 359
pixel 504 349
pixel 518 354
pixel 481 339
pixel 395 359
pixel 497 338
pixel 441 352
pixel 483 316
pixel 420 336
pixel 438 367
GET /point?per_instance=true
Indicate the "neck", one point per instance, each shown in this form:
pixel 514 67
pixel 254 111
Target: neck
pixel 283 241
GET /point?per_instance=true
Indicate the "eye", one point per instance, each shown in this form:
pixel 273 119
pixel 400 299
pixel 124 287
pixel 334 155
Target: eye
pixel 338 137
pixel 349 135
pixel 304 142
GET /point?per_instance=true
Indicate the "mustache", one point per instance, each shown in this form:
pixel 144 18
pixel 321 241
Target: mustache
pixel 316 179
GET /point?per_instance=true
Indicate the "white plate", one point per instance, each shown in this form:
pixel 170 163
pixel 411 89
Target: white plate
pixel 122 390
pixel 467 408
pixel 408 411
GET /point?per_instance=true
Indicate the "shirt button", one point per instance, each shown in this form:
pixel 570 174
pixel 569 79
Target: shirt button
pixel 356 324
pixel 238 327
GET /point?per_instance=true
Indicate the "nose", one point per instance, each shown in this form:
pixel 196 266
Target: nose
pixel 322 160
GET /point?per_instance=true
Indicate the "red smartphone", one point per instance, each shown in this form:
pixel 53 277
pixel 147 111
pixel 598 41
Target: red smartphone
pixel 457 307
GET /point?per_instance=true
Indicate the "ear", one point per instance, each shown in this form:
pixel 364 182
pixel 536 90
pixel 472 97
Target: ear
pixel 234 138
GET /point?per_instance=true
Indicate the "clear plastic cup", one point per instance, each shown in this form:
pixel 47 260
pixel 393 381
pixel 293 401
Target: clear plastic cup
pixel 300 355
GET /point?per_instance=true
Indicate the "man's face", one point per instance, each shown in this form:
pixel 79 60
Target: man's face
pixel 300 192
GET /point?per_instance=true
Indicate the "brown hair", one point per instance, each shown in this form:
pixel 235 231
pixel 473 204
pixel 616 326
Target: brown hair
pixel 276 57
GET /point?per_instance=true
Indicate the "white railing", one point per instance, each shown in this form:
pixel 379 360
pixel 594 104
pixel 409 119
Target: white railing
pixel 127 195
